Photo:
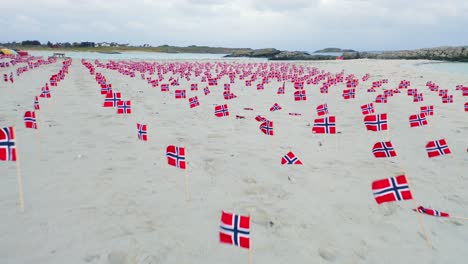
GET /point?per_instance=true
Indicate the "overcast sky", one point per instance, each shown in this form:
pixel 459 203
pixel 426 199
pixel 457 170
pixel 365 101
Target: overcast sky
pixel 284 24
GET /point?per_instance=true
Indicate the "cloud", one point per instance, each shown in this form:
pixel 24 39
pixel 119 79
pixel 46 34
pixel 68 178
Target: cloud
pixel 293 24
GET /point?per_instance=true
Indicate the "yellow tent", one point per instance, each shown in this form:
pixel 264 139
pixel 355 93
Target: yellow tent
pixel 8 52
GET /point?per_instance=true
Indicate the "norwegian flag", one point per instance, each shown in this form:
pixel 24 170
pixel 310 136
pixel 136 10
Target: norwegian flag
pixel 367 109
pixel 36 103
pixel 381 99
pixel 124 107
pixel 404 84
pixel 428 110
pixel 447 99
pixel 235 230
pixel 349 94
pixel 352 83
pixel 418 98
pixel 30 119
pixel 388 93
pixel 443 92
pixel 412 92
pixel 290 158
pixel 431 212
pixel 281 89
pixel 176 156
pixel 466 107
pixel 267 127
pixel 326 125
pixel 418 120
pixel 5 77
pixel 437 148
pixel 142 132
pixel 248 83
pixel 212 82
pixel 194 87
pixel 376 122
pixel 7 144
pixel 206 90
pixel 45 92
pixel 300 95
pixel 194 102
pixel 260 118
pixel 324 89
pixel 322 109
pixel 179 94
pixel 260 86
pixel 371 90
pixel 384 149
pixel 227 87
pixel 106 88
pixel 112 99
pixel 165 87
pixel 221 110
pixel 275 107
pixel 391 189
pixel 298 85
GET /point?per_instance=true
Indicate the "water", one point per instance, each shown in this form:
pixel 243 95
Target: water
pixel 140 56
pixel 449 67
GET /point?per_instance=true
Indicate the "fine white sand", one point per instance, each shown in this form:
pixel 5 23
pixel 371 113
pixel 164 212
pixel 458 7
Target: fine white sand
pixel 95 194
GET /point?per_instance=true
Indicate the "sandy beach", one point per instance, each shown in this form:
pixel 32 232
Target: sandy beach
pixel 94 193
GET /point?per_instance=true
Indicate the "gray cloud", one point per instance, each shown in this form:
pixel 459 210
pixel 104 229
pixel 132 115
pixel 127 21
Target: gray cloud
pixel 293 24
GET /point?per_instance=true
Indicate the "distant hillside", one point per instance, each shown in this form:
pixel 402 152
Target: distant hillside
pixel 329 50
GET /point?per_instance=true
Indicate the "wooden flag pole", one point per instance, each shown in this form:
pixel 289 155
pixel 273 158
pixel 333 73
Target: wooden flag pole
pixel 248 256
pixel 20 180
pixel 38 137
pixel 420 220
pixel 187 192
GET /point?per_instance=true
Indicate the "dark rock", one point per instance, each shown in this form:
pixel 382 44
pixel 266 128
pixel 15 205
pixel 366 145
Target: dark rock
pixel 333 50
pixel 439 53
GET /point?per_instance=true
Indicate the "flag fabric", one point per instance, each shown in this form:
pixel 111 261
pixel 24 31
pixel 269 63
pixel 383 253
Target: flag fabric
pixel 260 118
pixel 447 99
pixel 275 107
pixel 206 90
pixel 112 99
pixel 124 107
pixel 300 95
pixel 381 99
pixel 412 92
pixel 290 158
pixel 176 156
pixel 45 93
pixel 7 144
pixel 431 212
pixel 391 189
pixel 30 119
pixel 165 87
pixel 428 110
pixel 194 102
pixel 349 94
pixel 322 109
pixel 418 98
pixel 418 120
pixel 367 109
pixel 37 106
pixel 142 132
pixel 326 125
pixel 384 149
pixel 194 87
pixel 235 230
pixel 466 107
pixel 106 88
pixel 437 148
pixel 221 110
pixel 179 94
pixel 267 127
pixel 376 122
pixel 443 92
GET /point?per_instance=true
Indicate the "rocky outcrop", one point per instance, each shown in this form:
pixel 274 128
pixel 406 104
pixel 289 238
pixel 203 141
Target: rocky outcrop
pixel 439 53
pixel 257 53
pixel 300 55
pixel 333 50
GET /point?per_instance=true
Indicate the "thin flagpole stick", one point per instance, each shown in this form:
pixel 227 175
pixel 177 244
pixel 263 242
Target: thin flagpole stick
pixel 20 181
pixel 38 137
pixel 187 192
pixel 459 217
pixel 421 223
pixel 248 256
